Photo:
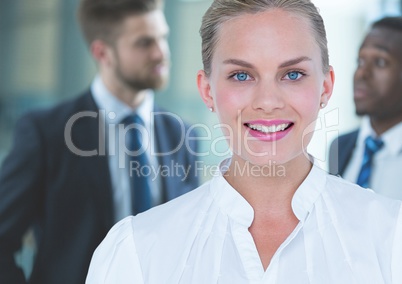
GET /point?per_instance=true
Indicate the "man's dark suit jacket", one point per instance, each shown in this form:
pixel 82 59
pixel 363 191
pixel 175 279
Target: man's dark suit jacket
pixel 67 197
pixel 341 151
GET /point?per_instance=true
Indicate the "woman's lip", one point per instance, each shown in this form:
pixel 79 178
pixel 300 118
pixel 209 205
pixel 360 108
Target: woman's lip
pixel 269 136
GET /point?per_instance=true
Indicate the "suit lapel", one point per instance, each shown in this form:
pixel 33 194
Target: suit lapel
pixel 348 144
pixel 167 137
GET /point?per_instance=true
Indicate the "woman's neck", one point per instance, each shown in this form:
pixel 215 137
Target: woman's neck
pixel 271 196
pixel 268 186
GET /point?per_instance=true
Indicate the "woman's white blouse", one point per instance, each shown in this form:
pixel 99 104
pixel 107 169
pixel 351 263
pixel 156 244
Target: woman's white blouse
pixel 346 235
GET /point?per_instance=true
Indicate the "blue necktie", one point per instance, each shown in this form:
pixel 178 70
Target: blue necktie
pixel 140 189
pixel 372 146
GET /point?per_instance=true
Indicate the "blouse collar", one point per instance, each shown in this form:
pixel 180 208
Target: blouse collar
pixel 232 203
pixel 308 192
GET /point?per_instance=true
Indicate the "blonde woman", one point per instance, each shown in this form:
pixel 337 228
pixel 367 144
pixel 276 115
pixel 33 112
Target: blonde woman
pixel 266 75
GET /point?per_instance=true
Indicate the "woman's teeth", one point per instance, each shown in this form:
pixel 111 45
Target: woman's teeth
pixel 269 129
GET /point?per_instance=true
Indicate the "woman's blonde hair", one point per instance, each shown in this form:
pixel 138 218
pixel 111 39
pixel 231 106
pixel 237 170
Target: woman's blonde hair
pixel 224 10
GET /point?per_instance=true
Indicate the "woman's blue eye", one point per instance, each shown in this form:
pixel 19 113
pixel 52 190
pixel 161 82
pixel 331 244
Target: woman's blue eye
pixel 294 75
pixel 241 76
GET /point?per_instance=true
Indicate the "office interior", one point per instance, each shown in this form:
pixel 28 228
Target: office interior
pixel 44 60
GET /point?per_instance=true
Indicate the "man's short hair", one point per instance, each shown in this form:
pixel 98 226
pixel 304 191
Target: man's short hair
pixel 100 19
pixel 393 23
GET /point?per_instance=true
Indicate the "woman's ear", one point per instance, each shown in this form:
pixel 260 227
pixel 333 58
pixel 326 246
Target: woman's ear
pixel 328 86
pixel 204 88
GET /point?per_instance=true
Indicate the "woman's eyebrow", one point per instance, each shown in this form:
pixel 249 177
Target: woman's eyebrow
pixel 238 62
pixel 284 64
pixel 294 61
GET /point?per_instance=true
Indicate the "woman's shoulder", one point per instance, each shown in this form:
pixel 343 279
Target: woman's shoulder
pixel 115 259
pixel 160 219
pixel 376 217
pixel 150 234
pixel 340 186
pixel 173 222
pixel 364 203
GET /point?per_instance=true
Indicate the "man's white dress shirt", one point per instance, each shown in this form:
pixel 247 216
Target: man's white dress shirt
pixel 112 112
pixel 345 235
pixel 386 174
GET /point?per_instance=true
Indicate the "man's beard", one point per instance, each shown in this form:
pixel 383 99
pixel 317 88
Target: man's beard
pixel 139 83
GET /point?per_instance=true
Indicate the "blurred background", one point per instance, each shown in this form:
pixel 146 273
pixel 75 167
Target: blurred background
pixel 43 59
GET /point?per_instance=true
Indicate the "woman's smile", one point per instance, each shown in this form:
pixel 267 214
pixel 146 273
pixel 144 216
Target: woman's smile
pixel 268 130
